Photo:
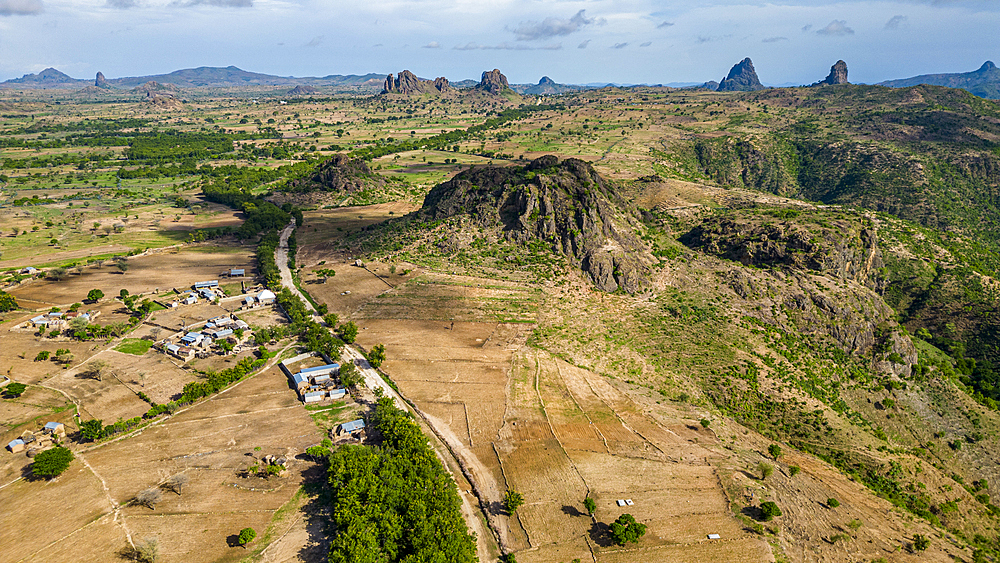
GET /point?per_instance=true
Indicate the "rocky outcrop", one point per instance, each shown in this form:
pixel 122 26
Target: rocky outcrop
pixel 153 87
pixel 441 84
pixel 301 90
pixel 838 75
pixel 339 174
pixel 565 204
pixel 741 78
pixel 407 83
pixel 493 82
pixel 101 82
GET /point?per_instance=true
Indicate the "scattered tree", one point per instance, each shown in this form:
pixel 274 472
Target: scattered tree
pixel 145 551
pixel 14 390
pixel 832 502
pixel 705 423
pixel 774 450
pixel 7 302
pixel 95 295
pixel 91 430
pixel 377 355
pixel 766 469
pixel 122 266
pixel 921 542
pixel 512 501
pixel 149 497
pixel 177 482
pixel 769 510
pixel 96 369
pixel 123 294
pixel 42 356
pixel 247 535
pixel 626 530
pixel 348 332
pixel 58 274
pixel 50 463
pixel 794 470
pixel 590 505
pixel 350 376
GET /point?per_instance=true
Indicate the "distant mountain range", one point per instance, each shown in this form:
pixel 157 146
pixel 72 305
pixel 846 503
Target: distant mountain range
pixel 984 82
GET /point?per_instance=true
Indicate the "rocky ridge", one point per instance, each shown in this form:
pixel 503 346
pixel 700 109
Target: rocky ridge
pixel 838 75
pixel 493 82
pixel 301 90
pixel 565 204
pixel 101 82
pixel 338 174
pixel 741 78
pixel 407 83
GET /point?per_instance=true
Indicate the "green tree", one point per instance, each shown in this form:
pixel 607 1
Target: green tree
pixel 774 450
pixel 626 530
pixel 247 535
pixel 91 430
pixel 921 542
pixel 123 294
pixel 766 469
pixel 7 302
pixel 705 423
pixel 348 332
pixel 377 355
pixel 95 295
pixel 14 390
pixel 51 463
pixel 122 266
pixel 590 505
pixel 832 502
pixel 42 356
pixel 512 501
pixel 794 470
pixel 769 510
pixel 349 375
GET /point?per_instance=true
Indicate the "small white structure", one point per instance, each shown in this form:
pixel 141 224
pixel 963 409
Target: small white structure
pixel 30 270
pixel 352 426
pixel 314 397
pixel 266 297
pixel 338 393
pixel 714 537
pixel 55 428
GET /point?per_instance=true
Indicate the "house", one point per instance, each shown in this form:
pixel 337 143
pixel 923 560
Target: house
pixel 338 393
pixel 206 284
pixel 300 382
pixel 183 352
pixel 191 299
pixel 207 293
pixel 221 321
pixel 249 301
pixel 328 369
pixel 55 428
pixel 29 270
pixel 192 338
pixel 266 297
pixel 220 333
pixel 314 397
pixel 15 446
pixel 319 379
pixel 352 427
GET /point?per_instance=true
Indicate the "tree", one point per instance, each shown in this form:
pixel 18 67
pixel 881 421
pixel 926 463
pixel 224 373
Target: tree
pixel 794 470
pixel 247 535
pixel 58 274
pixel 832 502
pixel 147 551
pixel 177 482
pixel 921 542
pixel 766 469
pixel 349 375
pixel 348 332
pixel 626 530
pixel 51 463
pixel 149 497
pixel 95 295
pixel 64 356
pixel 377 355
pixel 512 501
pixel 769 510
pixel 96 369
pixel 122 266
pixel 14 390
pixel 774 450
pixel 42 356
pixel 7 302
pixel 705 423
pixel 92 429
pixel 590 505
pixel 123 294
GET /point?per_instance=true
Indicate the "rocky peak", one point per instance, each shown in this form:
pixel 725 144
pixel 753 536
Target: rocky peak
pixel 741 78
pixel 441 84
pixel 987 66
pixel 838 75
pixel 494 82
pixel 405 83
pixel 546 81
pixel 100 81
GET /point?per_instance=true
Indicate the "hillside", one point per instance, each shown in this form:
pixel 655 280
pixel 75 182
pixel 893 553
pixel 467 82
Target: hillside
pixel 983 82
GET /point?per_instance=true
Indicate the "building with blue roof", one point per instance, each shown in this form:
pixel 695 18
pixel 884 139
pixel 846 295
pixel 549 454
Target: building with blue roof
pixel 352 427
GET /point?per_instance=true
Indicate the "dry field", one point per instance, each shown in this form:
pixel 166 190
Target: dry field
pixel 211 442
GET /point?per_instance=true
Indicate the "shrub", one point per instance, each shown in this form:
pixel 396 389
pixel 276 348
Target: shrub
pixel 774 450
pixel 921 542
pixel 769 510
pixel 832 502
pixel 14 390
pixel 705 423
pixel 625 529
pixel 42 356
pixel 247 535
pixel 794 470
pixel 512 501
pixel 765 469
pixel 590 505
pixel 51 463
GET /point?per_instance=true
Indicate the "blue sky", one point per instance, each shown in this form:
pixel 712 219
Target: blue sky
pixel 790 41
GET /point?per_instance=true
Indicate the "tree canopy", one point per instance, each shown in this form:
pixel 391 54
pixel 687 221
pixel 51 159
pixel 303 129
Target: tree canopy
pixel 51 463
pixel 7 302
pixel 626 530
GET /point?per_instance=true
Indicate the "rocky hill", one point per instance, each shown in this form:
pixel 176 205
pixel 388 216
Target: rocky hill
pixel 301 90
pixel 408 84
pixel 984 82
pixel 565 205
pixel 338 174
pixel 838 75
pixel 48 78
pixel 741 78
pixel 545 87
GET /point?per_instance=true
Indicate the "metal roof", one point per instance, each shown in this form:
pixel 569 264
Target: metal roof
pixel 353 425
pixel 53 425
pixel 223 332
pixel 328 368
pixel 237 272
pixel 15 442
pixel 211 283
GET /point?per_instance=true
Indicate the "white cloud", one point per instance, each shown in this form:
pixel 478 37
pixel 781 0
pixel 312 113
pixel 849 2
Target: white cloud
pixel 506 47
pixel 432 45
pixel 217 3
pixel 619 45
pixel 21 7
pixel 551 27
pixel 837 28
pixel 773 39
pixel 665 24
pixel 122 4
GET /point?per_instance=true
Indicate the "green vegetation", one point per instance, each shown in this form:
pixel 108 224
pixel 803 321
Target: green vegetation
pixel 377 355
pixel 832 502
pixel 95 295
pixel 7 302
pixel 769 510
pixel 14 390
pixel 51 463
pixel 378 493
pixel 590 505
pixel 134 346
pixel 512 500
pixel 626 530
pixel 246 536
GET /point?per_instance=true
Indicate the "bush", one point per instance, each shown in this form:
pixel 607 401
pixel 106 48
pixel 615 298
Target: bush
pixel 42 356
pixel 91 430
pixel 832 502
pixel 512 501
pixel 14 390
pixel 377 355
pixel 794 470
pixel 921 542
pixel 247 535
pixel 590 505
pixel 765 469
pixel 769 510
pixel 7 302
pixel 705 423
pixel 774 450
pixel 95 295
pixel 625 530
pixel 51 463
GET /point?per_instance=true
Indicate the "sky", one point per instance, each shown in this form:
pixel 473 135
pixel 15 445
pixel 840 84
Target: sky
pixel 571 41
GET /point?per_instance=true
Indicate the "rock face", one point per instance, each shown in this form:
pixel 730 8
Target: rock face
pixel 101 82
pixel 742 78
pixel 493 82
pixel 301 90
pixel 406 83
pixel 441 84
pixel 339 174
pixel 838 75
pixel 565 204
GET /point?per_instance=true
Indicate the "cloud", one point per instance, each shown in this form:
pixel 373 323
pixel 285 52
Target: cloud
pixel 895 21
pixel 122 4
pixel 583 45
pixel 836 27
pixel 21 7
pixel 432 45
pixel 620 45
pixel 646 44
pixel 315 41
pixel 216 3
pixel 806 28
pixel 665 24
pixel 506 47
pixel 773 39
pixel 551 27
